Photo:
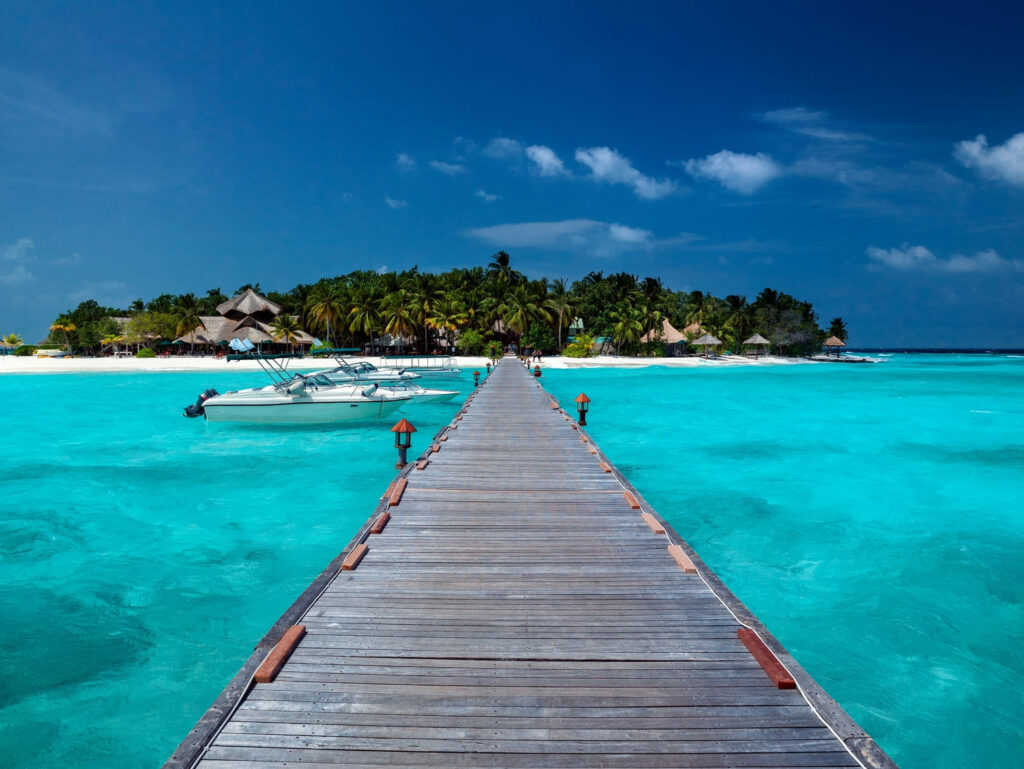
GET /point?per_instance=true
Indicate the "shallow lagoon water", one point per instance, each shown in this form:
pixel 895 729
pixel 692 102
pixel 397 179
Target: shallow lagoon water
pixel 870 515
pixel 143 555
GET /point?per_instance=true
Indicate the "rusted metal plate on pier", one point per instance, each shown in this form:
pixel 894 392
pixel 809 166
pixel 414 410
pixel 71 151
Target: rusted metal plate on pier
pixel 516 613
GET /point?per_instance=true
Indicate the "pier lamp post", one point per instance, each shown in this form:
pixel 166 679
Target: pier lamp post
pixel 582 406
pixel 476 378
pixel 488 368
pixel 403 440
pixel 536 371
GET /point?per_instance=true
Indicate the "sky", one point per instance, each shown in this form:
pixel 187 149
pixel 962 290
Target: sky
pixel 866 157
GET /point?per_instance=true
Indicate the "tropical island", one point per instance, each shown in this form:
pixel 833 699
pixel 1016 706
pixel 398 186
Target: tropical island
pixel 473 311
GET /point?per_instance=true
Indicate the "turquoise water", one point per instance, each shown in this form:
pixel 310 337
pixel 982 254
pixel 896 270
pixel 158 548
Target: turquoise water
pixel 143 555
pixel 870 515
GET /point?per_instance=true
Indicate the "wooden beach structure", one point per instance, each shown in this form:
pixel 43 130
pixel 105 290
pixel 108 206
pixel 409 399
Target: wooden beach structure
pixel 514 602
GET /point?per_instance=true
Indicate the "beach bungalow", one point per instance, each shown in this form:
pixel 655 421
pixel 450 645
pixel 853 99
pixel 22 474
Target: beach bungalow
pixel 245 316
pixel 674 340
pixel 834 344
pixel 760 345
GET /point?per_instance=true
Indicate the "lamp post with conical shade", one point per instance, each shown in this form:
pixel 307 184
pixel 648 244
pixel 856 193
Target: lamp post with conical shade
pixel 582 406
pixel 403 440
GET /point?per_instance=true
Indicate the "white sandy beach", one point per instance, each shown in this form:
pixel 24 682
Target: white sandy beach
pixel 10 364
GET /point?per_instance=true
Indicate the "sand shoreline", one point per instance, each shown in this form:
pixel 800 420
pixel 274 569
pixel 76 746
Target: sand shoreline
pixel 10 364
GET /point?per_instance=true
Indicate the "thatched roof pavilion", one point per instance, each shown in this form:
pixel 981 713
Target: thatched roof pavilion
pixel 758 341
pixel 671 336
pixel 706 341
pixel 246 316
pixel 834 343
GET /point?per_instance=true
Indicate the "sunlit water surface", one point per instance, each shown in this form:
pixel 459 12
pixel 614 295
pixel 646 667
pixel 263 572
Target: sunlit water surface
pixel 870 515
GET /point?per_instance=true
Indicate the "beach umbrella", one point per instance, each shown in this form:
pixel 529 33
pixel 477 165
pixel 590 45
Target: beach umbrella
pixel 162 343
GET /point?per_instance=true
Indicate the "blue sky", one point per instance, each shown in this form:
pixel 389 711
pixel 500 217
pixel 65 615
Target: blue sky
pixel 869 158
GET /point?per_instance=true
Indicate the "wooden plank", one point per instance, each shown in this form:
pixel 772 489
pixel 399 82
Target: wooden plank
pixel 768 661
pixel 354 557
pixel 652 522
pixel 380 523
pixel 631 500
pixel 680 557
pixel 606 467
pixel 422 464
pixel 272 665
pixel 398 491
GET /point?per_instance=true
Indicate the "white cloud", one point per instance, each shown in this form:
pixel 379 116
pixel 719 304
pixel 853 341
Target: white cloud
pixel 68 261
pixel 405 162
pixel 908 257
pixel 581 235
pixel 545 161
pixel 451 169
pixel 623 234
pixel 736 171
pixel 1004 162
pixel 394 202
pixel 501 148
pixel 18 254
pixel 19 251
pixel 813 123
pixel 486 196
pixel 18 275
pixel 382 269
pixel 607 165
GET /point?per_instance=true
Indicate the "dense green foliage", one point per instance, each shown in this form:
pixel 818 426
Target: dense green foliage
pixel 146 352
pixel 581 347
pixel 470 308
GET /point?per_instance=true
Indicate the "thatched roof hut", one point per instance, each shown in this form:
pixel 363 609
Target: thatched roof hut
pixel 834 343
pixel 758 342
pixel 707 341
pixel 246 316
pixel 669 334
pixel 249 304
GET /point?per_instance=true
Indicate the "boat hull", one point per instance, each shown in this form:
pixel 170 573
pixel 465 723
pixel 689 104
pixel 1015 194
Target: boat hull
pixel 301 412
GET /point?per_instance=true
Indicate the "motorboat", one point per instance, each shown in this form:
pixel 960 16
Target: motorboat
pixel 307 399
pixel 423 365
pixel 421 394
pixel 295 398
pixel 364 371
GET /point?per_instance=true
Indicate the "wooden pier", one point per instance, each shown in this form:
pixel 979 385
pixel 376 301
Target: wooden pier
pixel 514 602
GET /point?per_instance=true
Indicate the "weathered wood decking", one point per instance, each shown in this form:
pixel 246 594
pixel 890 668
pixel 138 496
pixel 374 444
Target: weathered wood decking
pixel 517 610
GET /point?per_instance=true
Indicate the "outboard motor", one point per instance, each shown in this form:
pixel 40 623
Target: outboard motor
pixel 196 410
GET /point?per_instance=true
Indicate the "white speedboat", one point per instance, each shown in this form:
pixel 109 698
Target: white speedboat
pixel 294 398
pixel 421 394
pixel 308 399
pixel 365 372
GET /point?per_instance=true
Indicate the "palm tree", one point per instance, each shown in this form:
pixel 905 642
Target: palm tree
pixel 65 327
pixel 448 314
pixel 521 308
pixel 12 340
pixel 187 313
pixel 838 329
pixel 562 302
pixel 398 310
pixel 627 325
pixel 364 317
pixel 285 327
pixel 500 269
pixel 422 287
pixel 324 308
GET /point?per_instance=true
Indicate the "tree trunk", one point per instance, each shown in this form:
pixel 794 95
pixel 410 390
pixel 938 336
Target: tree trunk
pixel 559 331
